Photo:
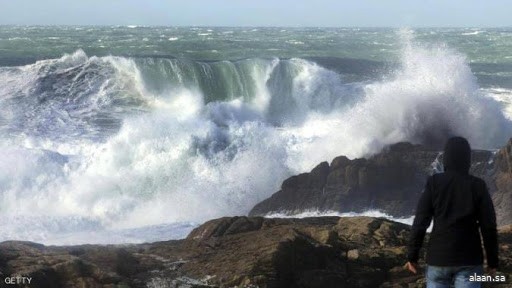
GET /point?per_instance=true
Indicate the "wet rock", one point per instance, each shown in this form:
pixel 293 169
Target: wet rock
pixel 390 181
pixel 500 184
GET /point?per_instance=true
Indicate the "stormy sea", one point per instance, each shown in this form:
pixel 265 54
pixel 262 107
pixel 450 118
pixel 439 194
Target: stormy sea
pixel 131 134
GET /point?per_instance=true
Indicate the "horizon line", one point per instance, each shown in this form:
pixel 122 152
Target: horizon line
pixel 133 26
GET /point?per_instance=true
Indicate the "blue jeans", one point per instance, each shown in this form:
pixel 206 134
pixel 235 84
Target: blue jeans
pixel 445 277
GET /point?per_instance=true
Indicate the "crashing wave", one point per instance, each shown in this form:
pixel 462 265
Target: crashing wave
pixel 135 142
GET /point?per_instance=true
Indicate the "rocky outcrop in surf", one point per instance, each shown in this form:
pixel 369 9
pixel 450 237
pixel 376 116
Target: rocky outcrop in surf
pixel 501 184
pixel 390 181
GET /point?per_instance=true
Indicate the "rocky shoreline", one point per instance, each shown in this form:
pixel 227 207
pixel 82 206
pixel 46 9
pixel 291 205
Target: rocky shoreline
pixel 237 252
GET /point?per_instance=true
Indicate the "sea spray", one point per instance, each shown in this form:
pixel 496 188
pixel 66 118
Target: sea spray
pixel 431 96
pixel 117 143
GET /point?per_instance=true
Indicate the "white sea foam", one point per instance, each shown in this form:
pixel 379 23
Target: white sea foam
pixel 503 96
pixel 316 213
pixel 182 159
pixel 472 33
pixel 77 230
pixel 369 213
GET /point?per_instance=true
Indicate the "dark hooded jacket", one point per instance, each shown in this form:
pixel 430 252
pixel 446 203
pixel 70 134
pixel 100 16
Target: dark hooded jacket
pixel 461 207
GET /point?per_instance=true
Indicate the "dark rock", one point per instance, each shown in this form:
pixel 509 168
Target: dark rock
pixel 234 252
pixel 339 162
pixel 318 175
pixel 390 181
pixel 238 252
pixel 500 184
pixel 225 226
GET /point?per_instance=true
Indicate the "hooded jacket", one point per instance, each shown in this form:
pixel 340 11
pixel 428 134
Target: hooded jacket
pixel 461 208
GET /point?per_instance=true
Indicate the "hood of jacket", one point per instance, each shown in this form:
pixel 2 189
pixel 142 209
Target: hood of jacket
pixel 457 155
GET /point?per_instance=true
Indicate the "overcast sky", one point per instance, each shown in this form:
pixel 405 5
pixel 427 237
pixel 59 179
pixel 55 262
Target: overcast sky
pixel 335 13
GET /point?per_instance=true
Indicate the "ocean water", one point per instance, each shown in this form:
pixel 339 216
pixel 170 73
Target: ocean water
pixel 135 134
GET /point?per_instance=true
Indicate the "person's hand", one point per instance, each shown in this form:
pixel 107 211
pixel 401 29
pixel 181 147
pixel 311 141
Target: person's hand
pixel 491 271
pixel 413 267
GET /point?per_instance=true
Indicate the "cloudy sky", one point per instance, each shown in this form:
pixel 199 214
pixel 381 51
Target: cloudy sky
pixel 334 13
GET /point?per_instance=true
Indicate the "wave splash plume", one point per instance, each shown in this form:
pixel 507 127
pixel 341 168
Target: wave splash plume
pixel 113 143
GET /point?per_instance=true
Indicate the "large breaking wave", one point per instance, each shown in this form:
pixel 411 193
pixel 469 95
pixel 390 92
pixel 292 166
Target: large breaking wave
pixel 112 143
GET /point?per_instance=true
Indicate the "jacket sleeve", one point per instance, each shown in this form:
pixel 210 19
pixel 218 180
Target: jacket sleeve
pixel 487 221
pixel 424 213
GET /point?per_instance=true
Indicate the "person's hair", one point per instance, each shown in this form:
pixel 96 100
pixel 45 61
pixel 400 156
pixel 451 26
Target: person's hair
pixel 457 155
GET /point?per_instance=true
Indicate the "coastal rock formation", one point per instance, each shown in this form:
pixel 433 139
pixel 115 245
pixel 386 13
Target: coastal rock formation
pixel 501 184
pixel 236 252
pixel 229 252
pixel 390 181
pixel 310 252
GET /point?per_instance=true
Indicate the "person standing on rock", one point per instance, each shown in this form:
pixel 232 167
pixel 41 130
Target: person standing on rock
pixel 461 207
